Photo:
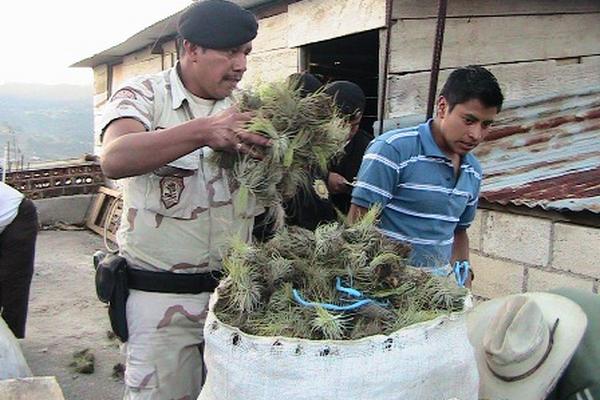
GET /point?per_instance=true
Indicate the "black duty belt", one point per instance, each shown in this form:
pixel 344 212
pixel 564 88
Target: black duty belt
pixel 169 282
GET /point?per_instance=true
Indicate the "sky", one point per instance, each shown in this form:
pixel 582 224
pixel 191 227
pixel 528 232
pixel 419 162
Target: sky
pixel 39 39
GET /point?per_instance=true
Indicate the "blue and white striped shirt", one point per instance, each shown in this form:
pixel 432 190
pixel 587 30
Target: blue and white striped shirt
pixel 423 201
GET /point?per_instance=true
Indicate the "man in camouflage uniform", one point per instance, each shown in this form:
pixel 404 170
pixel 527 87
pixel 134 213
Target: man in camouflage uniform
pixel 158 132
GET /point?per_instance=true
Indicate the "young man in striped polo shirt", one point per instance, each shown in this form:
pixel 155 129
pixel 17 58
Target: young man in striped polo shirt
pixel 425 178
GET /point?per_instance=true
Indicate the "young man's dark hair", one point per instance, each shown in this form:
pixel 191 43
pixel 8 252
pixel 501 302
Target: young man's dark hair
pixel 350 100
pixel 472 82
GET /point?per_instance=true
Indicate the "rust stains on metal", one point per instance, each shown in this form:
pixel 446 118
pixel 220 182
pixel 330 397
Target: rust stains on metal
pixel 593 114
pixel 546 153
pixel 578 185
pixel 556 121
pixel 504 131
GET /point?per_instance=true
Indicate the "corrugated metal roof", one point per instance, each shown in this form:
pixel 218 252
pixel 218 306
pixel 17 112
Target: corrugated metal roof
pixel 546 153
pixel 165 28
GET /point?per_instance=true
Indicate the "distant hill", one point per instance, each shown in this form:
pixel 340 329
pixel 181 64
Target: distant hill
pixel 48 122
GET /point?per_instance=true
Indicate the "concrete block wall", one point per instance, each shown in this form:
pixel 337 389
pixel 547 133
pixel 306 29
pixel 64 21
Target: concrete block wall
pixel 515 253
pixel 71 210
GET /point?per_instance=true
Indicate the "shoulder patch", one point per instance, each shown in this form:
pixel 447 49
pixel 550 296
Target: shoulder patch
pixel 125 93
pixel 171 188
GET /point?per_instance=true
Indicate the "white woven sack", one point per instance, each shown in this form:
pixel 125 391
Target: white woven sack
pixel 12 362
pixel 431 361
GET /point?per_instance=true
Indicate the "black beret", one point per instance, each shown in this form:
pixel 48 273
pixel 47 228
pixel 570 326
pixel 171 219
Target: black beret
pixel 217 24
pixel 348 97
pixel 304 82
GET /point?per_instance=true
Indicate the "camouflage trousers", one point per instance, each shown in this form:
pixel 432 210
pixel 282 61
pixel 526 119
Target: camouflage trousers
pixel 163 359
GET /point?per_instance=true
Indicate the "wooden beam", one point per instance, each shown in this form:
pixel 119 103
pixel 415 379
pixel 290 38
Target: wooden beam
pixel 270 66
pixel 170 46
pixel 408 9
pixel 109 81
pixel 105 210
pixel 271 9
pixel 135 64
pixel 109 191
pixel 100 78
pixel 272 34
pixel 408 93
pixel 495 40
pixel 313 21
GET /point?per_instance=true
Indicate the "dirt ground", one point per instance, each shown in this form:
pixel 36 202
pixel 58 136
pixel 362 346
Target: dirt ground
pixel 65 316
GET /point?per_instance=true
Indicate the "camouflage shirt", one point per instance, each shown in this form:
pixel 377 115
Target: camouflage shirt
pixel 177 218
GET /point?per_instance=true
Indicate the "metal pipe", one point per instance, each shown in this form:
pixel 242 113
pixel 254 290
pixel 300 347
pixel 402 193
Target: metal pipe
pixel 437 55
pixel 5 167
pixel 386 63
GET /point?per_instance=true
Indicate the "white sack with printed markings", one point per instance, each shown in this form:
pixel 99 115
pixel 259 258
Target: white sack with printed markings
pixel 432 360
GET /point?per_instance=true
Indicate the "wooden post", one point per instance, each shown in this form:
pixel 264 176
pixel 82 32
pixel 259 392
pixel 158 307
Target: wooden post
pixel 437 55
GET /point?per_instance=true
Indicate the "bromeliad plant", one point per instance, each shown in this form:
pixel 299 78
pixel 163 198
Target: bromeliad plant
pixel 340 282
pixel 306 133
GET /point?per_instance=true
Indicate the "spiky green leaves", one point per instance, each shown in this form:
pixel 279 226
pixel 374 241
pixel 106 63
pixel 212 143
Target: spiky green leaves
pixel 245 284
pixel 328 325
pixel 306 133
pixel 257 295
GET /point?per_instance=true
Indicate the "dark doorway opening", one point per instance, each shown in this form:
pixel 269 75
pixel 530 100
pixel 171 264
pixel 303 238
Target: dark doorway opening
pixel 353 58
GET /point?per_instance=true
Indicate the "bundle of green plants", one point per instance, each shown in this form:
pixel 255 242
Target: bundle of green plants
pixel 305 132
pixel 308 284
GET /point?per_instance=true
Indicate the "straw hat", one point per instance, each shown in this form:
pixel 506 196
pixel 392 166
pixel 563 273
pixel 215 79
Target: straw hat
pixel 523 343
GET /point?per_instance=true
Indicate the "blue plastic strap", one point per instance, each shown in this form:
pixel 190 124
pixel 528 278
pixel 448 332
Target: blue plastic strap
pixel 348 290
pixel 461 272
pixel 331 307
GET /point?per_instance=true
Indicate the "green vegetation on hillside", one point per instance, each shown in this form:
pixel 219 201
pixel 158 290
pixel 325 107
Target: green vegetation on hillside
pixel 47 122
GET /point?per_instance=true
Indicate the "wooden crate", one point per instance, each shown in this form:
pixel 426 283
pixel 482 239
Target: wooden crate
pixel 105 214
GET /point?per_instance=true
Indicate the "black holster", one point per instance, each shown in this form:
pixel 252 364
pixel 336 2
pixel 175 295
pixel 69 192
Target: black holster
pixel 114 279
pixel 112 289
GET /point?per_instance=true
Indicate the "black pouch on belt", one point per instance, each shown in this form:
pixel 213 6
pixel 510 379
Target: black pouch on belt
pixel 111 288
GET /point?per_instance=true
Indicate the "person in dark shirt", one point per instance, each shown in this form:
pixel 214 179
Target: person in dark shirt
pixel 18 233
pixel 304 82
pixel 350 100
pixel 311 206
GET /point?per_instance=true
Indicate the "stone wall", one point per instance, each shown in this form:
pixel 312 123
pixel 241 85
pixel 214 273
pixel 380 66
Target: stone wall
pixel 69 210
pixel 515 253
